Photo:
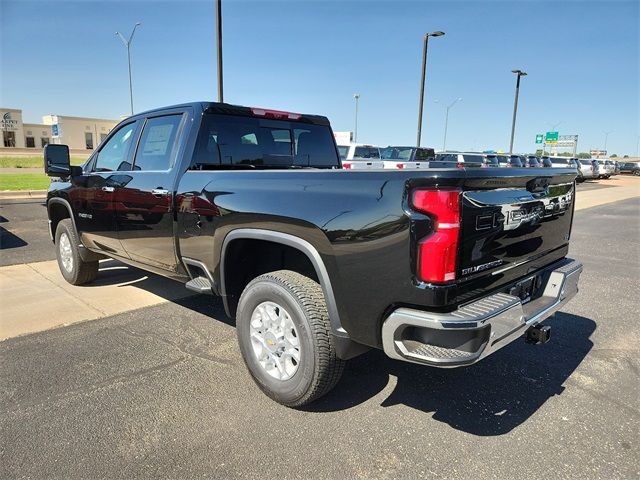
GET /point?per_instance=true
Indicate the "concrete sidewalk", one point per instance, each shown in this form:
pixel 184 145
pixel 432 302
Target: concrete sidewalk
pixel 36 297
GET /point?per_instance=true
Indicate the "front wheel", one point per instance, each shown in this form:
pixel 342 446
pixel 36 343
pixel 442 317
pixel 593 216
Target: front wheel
pixel 636 172
pixel 285 338
pixel 74 270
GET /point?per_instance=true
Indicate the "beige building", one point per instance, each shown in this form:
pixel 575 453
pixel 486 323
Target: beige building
pixel 77 132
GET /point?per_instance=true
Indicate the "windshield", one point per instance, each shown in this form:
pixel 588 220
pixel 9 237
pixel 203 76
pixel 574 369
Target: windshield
pixel 227 141
pixel 559 161
pixel 423 154
pixel 396 153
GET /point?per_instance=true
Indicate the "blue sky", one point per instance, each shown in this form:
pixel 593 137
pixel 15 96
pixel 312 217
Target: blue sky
pixel 582 58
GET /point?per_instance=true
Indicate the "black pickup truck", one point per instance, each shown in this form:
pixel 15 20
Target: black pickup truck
pixel 317 264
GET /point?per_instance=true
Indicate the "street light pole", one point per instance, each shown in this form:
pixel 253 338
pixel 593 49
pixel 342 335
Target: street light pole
pixel 219 48
pixel 519 73
pixel 422 80
pixel 606 137
pixel 127 43
pixel 356 96
pixel 446 123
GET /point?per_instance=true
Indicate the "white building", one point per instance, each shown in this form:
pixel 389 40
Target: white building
pixel 76 132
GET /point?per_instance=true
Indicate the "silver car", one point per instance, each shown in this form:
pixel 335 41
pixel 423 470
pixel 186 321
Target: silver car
pixel 585 170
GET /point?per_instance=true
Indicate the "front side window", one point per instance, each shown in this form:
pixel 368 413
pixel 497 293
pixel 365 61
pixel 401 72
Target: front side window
pixel 114 155
pixel 157 143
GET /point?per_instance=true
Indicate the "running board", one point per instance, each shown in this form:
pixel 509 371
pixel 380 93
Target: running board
pixel 200 285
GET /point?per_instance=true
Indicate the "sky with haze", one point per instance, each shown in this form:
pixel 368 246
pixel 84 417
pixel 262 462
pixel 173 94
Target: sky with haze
pixel 582 60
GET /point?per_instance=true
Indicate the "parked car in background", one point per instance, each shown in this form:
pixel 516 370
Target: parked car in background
pixel 599 168
pixel 630 167
pixel 546 162
pixel 585 170
pixel 531 161
pixel 611 167
pixel 358 156
pixel 617 164
pixel 510 161
pixel 406 157
pixel 460 160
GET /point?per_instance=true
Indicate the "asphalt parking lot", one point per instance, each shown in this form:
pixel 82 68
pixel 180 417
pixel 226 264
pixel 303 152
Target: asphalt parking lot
pixel 162 391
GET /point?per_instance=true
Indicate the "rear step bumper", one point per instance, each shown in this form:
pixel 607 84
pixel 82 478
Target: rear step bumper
pixel 472 332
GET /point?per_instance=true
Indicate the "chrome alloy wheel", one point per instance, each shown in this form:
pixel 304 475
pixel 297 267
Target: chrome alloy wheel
pixel 66 256
pixel 275 341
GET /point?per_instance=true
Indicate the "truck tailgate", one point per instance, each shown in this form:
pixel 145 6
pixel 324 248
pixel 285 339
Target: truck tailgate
pixel 510 221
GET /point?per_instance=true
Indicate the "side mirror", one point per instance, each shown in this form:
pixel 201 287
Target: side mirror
pixel 57 162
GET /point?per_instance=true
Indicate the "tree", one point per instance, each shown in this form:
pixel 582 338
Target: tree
pixel 613 156
pixel 626 156
pixel 584 155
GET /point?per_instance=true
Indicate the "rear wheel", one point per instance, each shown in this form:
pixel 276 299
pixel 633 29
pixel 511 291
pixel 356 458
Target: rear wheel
pixel 285 338
pixel 636 172
pixel 74 270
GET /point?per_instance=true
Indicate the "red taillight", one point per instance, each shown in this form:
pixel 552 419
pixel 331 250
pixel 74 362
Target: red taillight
pixel 346 166
pixel 278 114
pixel 460 165
pixel 399 166
pixel 438 252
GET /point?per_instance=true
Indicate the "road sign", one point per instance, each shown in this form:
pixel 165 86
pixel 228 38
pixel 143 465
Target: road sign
pixel 539 138
pixel 55 130
pixel 551 138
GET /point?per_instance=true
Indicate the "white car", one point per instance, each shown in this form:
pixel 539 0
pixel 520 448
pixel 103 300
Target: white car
pixel 399 158
pixel 357 156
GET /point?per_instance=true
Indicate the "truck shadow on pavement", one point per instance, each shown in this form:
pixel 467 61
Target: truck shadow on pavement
pixel 489 398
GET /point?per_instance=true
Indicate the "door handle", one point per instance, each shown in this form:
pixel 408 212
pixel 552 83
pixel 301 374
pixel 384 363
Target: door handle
pixel 159 192
pixel 108 189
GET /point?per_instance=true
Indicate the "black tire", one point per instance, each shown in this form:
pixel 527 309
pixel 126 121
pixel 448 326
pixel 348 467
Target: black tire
pixel 319 369
pixel 636 172
pixel 80 272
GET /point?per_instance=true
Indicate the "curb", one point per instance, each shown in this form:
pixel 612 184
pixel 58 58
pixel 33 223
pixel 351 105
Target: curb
pixel 17 194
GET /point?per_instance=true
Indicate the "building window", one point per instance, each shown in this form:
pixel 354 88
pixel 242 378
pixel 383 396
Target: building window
pixel 9 139
pixel 102 137
pixel 88 140
pixel 44 141
pixel 30 142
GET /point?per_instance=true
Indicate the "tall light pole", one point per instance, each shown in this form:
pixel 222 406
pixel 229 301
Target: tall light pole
pixel 519 73
pixel 446 122
pixel 356 96
pixel 606 137
pixel 127 43
pixel 219 47
pixel 424 73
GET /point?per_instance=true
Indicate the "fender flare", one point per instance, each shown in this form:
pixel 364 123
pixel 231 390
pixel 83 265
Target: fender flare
pixel 299 244
pixel 67 205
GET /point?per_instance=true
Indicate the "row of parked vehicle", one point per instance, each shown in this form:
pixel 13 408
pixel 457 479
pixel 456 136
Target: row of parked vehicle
pixel 357 156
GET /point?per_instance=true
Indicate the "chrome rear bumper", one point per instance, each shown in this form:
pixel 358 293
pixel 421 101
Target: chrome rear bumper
pixel 472 332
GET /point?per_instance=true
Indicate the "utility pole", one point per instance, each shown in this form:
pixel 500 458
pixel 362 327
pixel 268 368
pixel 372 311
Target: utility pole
pixel 127 44
pixel 422 80
pixel 519 73
pixel 356 96
pixel 606 137
pixel 219 48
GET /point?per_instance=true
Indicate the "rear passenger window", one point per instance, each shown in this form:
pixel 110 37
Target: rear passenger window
pixel 157 143
pixel 246 142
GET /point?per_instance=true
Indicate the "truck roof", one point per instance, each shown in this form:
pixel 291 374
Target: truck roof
pixel 229 109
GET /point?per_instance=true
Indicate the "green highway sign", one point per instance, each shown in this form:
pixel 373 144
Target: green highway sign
pixel 551 138
pixel 539 138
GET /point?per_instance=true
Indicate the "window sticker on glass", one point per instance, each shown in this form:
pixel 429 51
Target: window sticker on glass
pixel 158 139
